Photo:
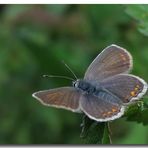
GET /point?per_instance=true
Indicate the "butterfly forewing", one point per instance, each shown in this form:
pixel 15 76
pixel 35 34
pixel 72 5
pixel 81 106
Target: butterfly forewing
pixel 111 61
pixel 101 108
pixel 64 97
pixel 127 87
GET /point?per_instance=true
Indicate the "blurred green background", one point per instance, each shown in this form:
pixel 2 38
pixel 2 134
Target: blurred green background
pixel 34 39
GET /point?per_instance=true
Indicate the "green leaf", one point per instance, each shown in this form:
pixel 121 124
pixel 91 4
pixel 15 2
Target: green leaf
pixel 86 123
pixel 138 112
pixel 139 13
pixel 94 132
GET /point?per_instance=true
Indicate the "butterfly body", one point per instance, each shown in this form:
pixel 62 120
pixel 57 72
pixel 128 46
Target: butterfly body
pixel 90 89
pixel 106 90
pixel 84 86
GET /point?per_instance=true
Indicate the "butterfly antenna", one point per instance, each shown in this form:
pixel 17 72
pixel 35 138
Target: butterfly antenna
pixel 70 70
pixel 54 76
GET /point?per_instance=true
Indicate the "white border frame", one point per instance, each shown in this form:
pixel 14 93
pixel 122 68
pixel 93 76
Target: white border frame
pixel 74 2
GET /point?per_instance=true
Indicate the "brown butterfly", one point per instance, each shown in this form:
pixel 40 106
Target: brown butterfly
pixel 106 90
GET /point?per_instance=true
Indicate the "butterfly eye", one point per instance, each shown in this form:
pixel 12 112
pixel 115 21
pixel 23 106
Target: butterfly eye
pixel 73 83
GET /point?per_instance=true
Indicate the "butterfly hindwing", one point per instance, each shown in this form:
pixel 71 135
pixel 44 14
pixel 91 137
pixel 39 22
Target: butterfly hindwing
pixel 101 108
pixel 126 86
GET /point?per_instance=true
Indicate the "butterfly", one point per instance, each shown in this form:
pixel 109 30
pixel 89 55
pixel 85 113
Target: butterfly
pixel 106 90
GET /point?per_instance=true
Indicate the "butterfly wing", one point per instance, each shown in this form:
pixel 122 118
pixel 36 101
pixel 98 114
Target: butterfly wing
pixel 111 61
pixel 126 86
pixel 101 108
pixel 64 97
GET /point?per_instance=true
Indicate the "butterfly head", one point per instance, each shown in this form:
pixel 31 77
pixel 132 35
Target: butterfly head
pixel 76 83
pixel 81 84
